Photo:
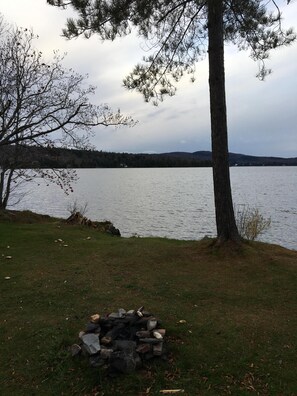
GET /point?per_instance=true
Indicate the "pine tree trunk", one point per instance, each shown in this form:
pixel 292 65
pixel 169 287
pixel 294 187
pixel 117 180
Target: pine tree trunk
pixel 225 219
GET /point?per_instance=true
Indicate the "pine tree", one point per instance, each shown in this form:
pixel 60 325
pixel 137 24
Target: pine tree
pixel 181 32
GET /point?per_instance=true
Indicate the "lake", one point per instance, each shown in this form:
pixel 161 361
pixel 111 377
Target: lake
pixel 174 202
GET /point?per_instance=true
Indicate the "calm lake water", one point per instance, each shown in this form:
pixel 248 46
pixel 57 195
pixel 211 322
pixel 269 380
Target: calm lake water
pixel 174 202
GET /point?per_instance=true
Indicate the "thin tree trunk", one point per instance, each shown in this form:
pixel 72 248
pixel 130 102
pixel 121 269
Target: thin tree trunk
pixel 5 187
pixel 225 219
pixel 2 189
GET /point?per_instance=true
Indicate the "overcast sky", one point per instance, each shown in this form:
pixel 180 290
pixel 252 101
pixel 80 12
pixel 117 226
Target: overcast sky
pixel 262 116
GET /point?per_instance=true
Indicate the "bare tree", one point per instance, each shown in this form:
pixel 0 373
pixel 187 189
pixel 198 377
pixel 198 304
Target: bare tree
pixel 42 104
pixel 179 34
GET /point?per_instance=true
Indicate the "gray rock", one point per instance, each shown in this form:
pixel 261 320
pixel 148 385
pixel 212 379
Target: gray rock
pixel 105 353
pixel 124 345
pixel 122 312
pixel 151 341
pixel 96 360
pixel 114 315
pixel 143 334
pixel 93 328
pixel 123 362
pixel 152 324
pixel 91 343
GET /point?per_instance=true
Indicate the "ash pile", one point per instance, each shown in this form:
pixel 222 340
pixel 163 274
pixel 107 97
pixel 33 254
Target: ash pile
pixel 122 341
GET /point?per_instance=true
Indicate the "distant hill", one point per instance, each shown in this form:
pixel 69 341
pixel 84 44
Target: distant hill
pixel 238 159
pixel 39 157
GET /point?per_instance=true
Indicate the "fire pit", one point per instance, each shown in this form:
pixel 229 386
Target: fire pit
pixel 122 341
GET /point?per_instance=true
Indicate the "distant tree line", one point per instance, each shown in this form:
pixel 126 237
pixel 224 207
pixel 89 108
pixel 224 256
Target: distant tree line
pixel 42 157
pixel 50 158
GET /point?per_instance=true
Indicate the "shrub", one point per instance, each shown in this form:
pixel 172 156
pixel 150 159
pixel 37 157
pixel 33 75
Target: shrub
pixel 250 222
pixel 74 207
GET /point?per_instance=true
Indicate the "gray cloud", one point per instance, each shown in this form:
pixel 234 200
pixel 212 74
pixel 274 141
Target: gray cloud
pixel 262 117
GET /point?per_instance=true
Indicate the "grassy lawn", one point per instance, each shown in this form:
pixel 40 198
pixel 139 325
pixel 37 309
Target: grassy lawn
pixel 239 308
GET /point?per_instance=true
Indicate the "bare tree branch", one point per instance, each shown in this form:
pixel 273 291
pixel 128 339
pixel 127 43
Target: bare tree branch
pixel 42 103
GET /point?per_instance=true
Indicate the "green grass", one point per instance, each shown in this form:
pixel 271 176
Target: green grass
pixel 240 309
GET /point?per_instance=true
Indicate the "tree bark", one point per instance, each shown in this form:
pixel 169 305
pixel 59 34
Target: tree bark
pixel 225 219
pixel 5 186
